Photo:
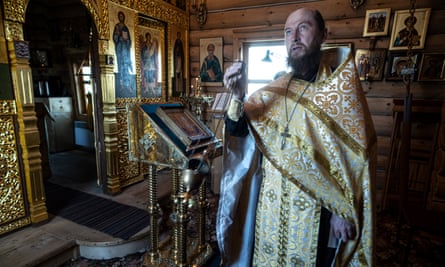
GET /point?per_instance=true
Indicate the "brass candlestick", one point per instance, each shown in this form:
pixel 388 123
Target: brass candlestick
pixel 180 218
pixel 152 256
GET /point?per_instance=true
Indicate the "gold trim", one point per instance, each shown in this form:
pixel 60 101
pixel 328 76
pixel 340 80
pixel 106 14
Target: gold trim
pixel 3 51
pixel 128 170
pixel 122 102
pixel 15 10
pixel 8 107
pixel 162 11
pixel 333 126
pixel 100 17
pixel 15 225
pixel 13 30
pixel 283 231
pixel 13 213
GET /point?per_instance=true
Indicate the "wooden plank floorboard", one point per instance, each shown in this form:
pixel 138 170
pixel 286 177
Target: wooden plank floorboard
pixel 31 247
pixel 55 241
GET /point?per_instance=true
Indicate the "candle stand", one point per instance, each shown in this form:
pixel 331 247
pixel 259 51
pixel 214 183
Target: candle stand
pixel 154 140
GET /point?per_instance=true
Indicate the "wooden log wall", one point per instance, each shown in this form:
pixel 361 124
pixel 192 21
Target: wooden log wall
pixel 241 21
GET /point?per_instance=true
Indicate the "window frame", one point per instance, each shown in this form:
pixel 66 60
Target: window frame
pixel 245 55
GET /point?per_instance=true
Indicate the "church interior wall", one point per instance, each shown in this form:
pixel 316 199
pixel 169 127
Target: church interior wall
pixel 237 22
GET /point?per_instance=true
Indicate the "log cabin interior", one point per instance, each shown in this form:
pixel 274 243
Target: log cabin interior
pixel 64 102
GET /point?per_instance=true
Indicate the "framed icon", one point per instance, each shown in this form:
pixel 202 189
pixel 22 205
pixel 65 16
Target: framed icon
pixel 370 63
pixel 122 29
pixel 211 58
pixel 400 36
pixel 177 51
pixel 183 124
pixel 398 62
pixel 151 63
pixel 432 67
pixel 377 22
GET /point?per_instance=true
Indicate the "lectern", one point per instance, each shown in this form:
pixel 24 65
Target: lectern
pixel 169 135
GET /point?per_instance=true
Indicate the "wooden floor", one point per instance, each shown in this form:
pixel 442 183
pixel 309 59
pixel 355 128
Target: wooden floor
pixel 58 240
pixel 53 242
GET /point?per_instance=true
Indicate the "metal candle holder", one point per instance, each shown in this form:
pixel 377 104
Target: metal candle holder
pixel 182 252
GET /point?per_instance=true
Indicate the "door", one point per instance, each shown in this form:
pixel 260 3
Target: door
pixel 97 113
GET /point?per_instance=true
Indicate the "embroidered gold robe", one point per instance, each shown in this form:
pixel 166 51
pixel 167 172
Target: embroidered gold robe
pixel 271 198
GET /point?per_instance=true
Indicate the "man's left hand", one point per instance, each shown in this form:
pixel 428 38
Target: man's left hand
pixel 342 229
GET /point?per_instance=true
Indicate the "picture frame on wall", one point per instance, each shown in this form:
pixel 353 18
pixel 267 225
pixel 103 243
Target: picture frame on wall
pixel 397 62
pixel 211 59
pixel 377 22
pixel 336 45
pixel 400 33
pixel 370 63
pixel 151 58
pixel 122 30
pixel 432 67
pixel 177 66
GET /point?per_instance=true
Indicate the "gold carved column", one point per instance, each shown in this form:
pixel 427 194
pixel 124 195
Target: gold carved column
pixel 110 125
pixel 29 139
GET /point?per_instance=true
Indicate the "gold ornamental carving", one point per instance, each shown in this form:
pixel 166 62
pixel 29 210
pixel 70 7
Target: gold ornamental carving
pixel 12 200
pixel 14 225
pixel 7 108
pixel 127 169
pixel 13 31
pixel 15 10
pixel 158 10
pixel 123 102
pixel 103 46
pixel 100 16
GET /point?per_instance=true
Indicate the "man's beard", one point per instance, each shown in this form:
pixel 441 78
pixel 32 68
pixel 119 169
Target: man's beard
pixel 305 66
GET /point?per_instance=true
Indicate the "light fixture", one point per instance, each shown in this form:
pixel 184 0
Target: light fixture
pixel 267 57
pixel 356 3
pixel 200 11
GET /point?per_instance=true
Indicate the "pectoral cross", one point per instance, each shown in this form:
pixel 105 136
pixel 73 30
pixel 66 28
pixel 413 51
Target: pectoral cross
pixel 284 135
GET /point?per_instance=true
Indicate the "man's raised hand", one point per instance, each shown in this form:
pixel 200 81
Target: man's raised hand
pixel 235 79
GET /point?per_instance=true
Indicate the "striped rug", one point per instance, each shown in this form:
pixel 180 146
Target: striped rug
pixel 116 219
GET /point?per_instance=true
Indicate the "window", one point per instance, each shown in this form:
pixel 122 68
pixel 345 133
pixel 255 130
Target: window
pixel 264 61
pixel 84 86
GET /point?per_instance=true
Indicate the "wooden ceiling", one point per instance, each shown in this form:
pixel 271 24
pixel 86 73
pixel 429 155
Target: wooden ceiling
pixel 230 5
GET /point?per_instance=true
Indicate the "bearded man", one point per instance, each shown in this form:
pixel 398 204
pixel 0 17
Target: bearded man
pixel 299 160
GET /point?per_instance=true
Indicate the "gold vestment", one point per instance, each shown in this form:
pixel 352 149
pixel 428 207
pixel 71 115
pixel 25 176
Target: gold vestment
pixel 328 160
